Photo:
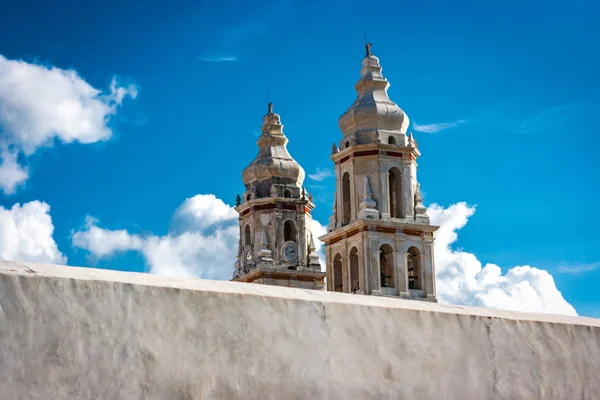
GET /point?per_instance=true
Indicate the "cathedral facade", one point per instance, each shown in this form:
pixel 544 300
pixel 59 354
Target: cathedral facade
pixel 379 239
pixel 276 246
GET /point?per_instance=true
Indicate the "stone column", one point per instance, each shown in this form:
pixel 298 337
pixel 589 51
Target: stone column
pixel 408 202
pixel 345 267
pixel 329 269
pixel 301 237
pixel 403 276
pixel 339 199
pixel 429 270
pixel 354 198
pixel 361 268
pixel 277 223
pixel 385 197
pixel 365 276
pixel 374 266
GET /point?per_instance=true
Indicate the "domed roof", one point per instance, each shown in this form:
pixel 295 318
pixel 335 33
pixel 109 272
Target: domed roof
pixel 273 159
pixel 372 111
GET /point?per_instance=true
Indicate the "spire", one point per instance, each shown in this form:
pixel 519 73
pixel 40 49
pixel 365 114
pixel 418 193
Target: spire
pixel 265 253
pixel 367 207
pixel 411 141
pixel 313 257
pixel 420 209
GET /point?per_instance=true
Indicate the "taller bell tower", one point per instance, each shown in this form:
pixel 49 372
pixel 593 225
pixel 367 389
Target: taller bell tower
pixel 379 239
pixel 276 246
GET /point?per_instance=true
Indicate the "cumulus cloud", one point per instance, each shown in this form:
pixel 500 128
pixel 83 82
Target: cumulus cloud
pixel 202 241
pixel 11 173
pixel 462 279
pixel 102 242
pixel 204 236
pixel 434 128
pixel 26 234
pixel 40 104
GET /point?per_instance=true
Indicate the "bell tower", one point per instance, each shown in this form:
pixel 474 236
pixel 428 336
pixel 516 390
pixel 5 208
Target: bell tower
pixel 379 239
pixel 276 246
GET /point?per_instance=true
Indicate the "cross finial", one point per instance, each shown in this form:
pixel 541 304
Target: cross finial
pixel 367 45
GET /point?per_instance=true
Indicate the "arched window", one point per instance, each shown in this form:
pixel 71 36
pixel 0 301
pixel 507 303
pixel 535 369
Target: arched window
pixel 248 197
pixel 247 235
pixel 287 193
pixel 414 269
pixel 386 266
pixel 346 202
pixel 338 285
pixel 395 193
pixel 289 231
pixel 391 140
pixel 354 279
pixel 346 145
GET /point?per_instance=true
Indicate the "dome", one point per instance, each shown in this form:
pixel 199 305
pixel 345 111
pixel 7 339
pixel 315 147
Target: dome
pixel 273 161
pixel 372 111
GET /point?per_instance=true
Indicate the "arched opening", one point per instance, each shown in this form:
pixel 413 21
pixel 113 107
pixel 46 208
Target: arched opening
pixel 287 193
pixel 338 285
pixel 289 230
pixel 391 140
pixel 346 145
pixel 386 266
pixel 395 193
pixel 346 202
pixel 248 197
pixel 247 235
pixel 354 279
pixel 414 269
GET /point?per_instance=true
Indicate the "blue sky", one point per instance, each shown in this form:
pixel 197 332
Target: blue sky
pixel 502 97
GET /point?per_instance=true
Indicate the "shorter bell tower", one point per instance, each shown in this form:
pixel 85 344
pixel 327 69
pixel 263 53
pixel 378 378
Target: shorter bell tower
pixel 276 246
pixel 379 240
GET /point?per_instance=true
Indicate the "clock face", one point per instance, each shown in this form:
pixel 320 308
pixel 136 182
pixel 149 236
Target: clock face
pixel 290 252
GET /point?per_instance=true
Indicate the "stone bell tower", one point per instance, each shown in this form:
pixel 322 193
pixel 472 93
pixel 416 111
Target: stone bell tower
pixel 276 246
pixel 379 238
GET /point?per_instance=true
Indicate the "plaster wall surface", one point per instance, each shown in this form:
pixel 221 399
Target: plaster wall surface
pixel 77 333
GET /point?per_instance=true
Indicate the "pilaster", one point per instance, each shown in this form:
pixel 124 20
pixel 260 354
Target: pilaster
pixel 429 268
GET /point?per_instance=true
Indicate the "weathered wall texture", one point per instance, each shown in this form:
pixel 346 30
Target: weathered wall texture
pixel 76 333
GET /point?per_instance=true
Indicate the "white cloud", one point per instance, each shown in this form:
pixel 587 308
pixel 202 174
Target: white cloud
pixel 201 212
pixel 202 241
pixel 219 59
pixel 26 234
pixel 321 174
pixel 11 173
pixel 461 279
pixel 40 104
pixel 102 242
pixel 576 269
pixel 204 238
pixel 434 128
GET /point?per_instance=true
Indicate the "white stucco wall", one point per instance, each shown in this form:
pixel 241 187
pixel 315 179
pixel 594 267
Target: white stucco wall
pixel 76 333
